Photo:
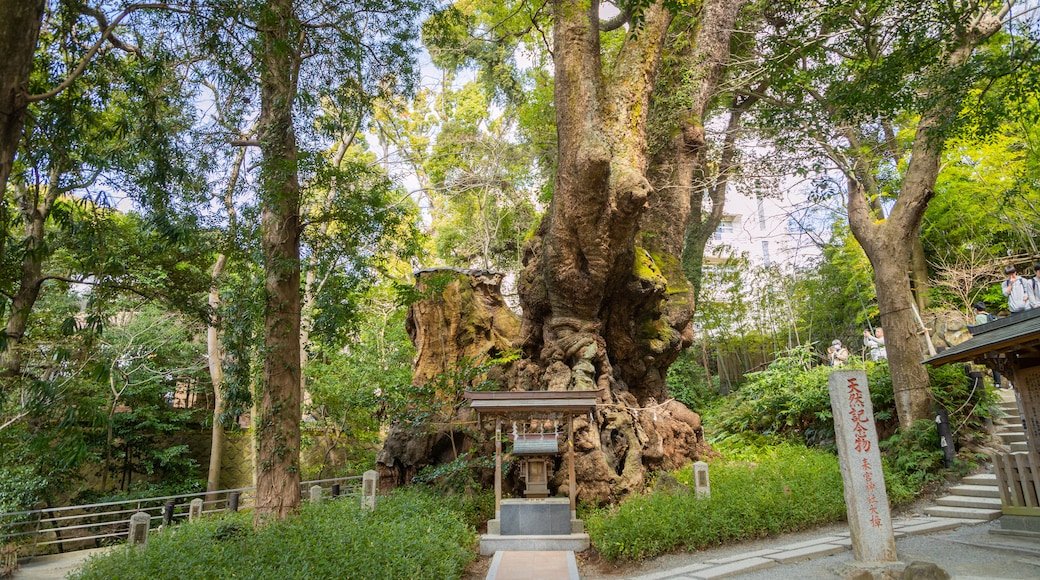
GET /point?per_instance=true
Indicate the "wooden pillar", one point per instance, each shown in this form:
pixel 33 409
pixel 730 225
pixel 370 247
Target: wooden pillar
pixel 572 487
pixel 498 468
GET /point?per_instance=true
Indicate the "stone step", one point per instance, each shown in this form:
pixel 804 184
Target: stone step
pixel 1008 406
pixel 966 501
pixel 980 479
pixel 963 513
pixel 1019 447
pixel 975 490
pixel 1011 436
pixel 1012 420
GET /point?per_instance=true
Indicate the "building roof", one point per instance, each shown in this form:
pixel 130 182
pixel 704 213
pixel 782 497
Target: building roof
pixel 1018 334
pixel 532 402
pixel 536 444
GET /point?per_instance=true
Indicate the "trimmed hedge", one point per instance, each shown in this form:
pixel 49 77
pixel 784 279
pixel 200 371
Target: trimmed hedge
pixel 754 493
pixel 410 535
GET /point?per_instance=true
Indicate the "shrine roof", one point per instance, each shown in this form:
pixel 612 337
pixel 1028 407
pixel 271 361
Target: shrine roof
pixel 513 402
pixel 1018 334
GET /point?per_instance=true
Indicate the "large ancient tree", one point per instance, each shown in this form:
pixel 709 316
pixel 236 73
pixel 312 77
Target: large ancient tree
pixel 606 305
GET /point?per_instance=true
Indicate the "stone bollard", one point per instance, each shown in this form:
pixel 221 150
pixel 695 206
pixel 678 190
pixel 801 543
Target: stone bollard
pixel 139 529
pixel 369 483
pixel 195 509
pixel 701 484
pixel 232 502
pixel 315 493
pixel 335 490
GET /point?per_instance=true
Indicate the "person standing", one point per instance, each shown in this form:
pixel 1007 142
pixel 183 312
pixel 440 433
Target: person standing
pixel 1033 285
pixel 837 353
pixel 983 317
pixel 1018 294
pixel 876 344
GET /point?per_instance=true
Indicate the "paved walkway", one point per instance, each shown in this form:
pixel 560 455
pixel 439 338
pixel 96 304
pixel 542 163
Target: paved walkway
pixel 966 549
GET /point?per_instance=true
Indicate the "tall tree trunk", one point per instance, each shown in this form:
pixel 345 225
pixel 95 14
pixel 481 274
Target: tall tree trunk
pixel 889 243
pixel 278 427
pixel 682 165
pixel 216 375
pixel 34 211
pixel 19 33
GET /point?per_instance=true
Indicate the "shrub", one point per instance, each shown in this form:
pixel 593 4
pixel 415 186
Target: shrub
pixel 754 492
pixel 410 535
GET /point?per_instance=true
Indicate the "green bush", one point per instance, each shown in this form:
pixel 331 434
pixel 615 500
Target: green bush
pixel 410 535
pixel 754 492
pixel 791 399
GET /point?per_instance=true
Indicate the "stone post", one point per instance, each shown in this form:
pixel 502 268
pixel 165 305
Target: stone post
pixel 315 493
pixel 335 490
pixel 701 484
pixel 232 502
pixel 866 500
pixel 139 529
pixel 369 485
pixel 195 509
pixel 167 513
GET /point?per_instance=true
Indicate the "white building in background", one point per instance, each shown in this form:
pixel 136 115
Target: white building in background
pixel 772 231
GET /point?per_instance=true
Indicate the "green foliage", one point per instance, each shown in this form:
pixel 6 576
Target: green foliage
pixel 754 492
pixel 790 399
pixel 411 534
pixel 913 459
pixel 687 382
pixel 428 405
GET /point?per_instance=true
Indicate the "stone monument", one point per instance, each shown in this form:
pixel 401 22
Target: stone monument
pixel 866 500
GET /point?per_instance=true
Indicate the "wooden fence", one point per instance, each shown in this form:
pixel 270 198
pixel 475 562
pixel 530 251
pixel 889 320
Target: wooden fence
pixel 1019 481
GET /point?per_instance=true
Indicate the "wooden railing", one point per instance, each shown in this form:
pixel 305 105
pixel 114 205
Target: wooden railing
pixel 1019 482
pixel 65 529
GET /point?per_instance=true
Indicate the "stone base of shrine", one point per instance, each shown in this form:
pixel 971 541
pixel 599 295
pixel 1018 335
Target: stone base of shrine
pixel 549 516
pixel 490 543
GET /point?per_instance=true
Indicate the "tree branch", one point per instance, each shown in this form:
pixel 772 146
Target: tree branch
pixel 106 33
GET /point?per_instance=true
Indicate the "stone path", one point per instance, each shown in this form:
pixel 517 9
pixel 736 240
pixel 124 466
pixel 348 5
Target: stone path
pixel 764 559
pixel 518 565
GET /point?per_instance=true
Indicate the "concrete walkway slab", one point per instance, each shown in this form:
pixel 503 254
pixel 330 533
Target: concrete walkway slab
pixel 741 567
pixel 745 556
pixel 558 565
pixel 807 553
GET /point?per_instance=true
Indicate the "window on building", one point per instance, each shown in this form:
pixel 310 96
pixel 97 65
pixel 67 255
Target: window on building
pixel 725 228
pixel 765 252
pixel 761 213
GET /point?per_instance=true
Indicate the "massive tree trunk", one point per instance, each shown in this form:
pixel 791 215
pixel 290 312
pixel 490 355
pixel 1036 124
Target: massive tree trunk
pixel 278 427
pixel 677 215
pixel 461 319
pixel 19 33
pixel 600 311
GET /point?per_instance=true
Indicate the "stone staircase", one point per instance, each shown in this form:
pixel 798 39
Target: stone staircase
pixel 978 497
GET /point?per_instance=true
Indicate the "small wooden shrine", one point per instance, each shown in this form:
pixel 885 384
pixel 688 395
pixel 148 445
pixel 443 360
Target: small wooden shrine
pixel 534 420
pixel 1011 346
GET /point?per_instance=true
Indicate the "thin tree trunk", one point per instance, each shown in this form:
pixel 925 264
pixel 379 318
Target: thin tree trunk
pixel 216 374
pixel 278 427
